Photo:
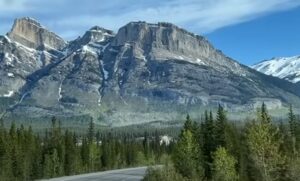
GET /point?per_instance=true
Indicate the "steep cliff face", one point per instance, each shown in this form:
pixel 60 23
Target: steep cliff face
pixel 145 72
pixel 71 85
pixel 164 41
pixel 165 63
pixel 32 34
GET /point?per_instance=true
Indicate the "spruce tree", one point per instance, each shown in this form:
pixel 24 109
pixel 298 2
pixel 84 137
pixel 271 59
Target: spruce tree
pixel 224 166
pixel 185 156
pixel 84 154
pixel 146 146
pixel 293 129
pixel 208 142
pixel 71 162
pixel 220 128
pixel 264 147
pixel 91 132
pixel 188 124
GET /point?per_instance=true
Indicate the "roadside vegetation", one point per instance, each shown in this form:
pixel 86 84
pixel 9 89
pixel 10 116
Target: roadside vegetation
pixel 26 155
pixel 218 150
pixel 212 149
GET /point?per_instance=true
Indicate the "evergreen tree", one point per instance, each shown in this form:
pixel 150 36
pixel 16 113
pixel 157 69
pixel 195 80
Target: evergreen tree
pixel 91 132
pixel 37 156
pixel 264 116
pixel 208 142
pixel 52 166
pixel 220 128
pixel 185 156
pixel 224 166
pixel 264 147
pixel 233 140
pixel 25 155
pixel 188 125
pixel 71 160
pixel 84 154
pixel 146 145
pixel 293 129
pixel 247 168
pixel 5 155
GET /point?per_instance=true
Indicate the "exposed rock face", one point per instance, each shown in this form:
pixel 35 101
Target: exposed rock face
pixel 165 41
pixel 145 72
pixel 30 33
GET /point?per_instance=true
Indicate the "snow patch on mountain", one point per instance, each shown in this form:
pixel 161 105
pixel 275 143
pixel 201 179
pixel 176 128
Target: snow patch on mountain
pixel 10 75
pixel 87 48
pixel 19 45
pixel 287 68
pixel 9 94
pixel 7 38
pixel 59 91
pixel 105 72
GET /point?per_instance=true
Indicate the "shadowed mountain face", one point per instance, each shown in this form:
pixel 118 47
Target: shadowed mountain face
pixel 145 72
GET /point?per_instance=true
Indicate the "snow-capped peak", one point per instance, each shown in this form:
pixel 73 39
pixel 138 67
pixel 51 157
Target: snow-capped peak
pixel 287 68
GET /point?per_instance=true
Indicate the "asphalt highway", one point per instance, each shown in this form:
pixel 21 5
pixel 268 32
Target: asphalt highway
pixel 129 174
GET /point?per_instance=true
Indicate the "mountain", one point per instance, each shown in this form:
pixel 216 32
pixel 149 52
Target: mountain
pixel 145 72
pixel 287 68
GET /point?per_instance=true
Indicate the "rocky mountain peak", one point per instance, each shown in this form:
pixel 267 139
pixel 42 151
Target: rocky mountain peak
pixel 162 31
pixel 96 34
pixel 30 21
pixel 32 34
pixel 100 29
pixel 166 41
pixel 142 73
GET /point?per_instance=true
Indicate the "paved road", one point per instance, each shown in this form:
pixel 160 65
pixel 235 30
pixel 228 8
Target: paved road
pixel 129 174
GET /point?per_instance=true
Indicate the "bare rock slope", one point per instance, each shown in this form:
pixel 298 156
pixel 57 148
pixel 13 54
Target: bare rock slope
pixel 144 72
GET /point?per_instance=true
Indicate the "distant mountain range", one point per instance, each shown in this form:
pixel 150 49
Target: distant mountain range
pixel 145 72
pixel 287 68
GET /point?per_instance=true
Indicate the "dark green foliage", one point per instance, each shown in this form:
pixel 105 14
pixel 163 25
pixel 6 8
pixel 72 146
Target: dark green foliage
pixel 294 128
pixel 71 163
pixel 163 174
pixel 220 128
pixel 264 142
pixel 258 150
pixel 224 166
pixel 24 155
pixel 91 132
pixel 187 155
pixel 209 143
pixel 214 149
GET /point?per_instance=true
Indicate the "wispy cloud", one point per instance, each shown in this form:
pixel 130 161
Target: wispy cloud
pixel 11 6
pixel 71 18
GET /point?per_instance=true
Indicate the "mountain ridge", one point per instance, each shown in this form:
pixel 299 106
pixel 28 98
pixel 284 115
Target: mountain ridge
pixel 143 73
pixel 287 68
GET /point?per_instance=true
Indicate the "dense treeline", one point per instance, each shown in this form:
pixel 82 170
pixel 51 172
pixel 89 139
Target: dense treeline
pixel 24 155
pixel 218 150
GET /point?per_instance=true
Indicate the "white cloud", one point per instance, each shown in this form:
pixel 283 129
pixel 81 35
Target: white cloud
pixel 201 16
pixel 9 6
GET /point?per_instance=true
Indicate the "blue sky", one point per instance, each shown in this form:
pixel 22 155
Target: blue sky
pixel 274 35
pixel 246 30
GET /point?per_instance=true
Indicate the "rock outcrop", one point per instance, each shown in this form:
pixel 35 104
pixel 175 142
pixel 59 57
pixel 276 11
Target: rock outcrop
pixel 32 34
pixel 143 73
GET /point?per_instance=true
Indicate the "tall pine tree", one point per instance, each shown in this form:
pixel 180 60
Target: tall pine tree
pixel 264 147
pixel 220 128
